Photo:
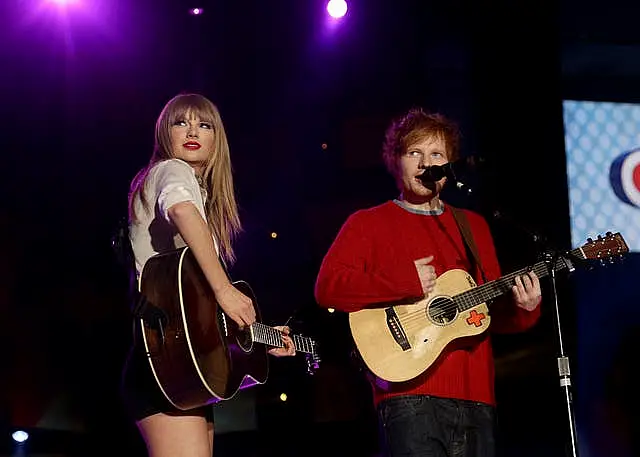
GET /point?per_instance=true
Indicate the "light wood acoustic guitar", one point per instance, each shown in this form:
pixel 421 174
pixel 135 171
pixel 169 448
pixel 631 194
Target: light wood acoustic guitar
pixel 398 343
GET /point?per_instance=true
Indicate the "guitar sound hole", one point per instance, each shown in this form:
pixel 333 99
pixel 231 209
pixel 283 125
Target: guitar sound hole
pixel 243 337
pixel 442 311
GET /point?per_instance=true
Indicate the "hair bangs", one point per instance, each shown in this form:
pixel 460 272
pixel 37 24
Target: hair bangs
pixel 190 107
pixel 421 133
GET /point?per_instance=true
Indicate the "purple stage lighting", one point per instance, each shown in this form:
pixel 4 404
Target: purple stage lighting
pixel 337 8
pixel 196 11
pixel 63 2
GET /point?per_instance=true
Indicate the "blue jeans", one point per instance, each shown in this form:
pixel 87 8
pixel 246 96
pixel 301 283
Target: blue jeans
pixel 424 426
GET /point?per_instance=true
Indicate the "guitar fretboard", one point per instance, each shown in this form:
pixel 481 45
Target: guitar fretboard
pixel 273 337
pixel 488 291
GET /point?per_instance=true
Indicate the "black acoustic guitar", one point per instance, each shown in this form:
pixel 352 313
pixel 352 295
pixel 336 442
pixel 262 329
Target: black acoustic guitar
pixel 198 355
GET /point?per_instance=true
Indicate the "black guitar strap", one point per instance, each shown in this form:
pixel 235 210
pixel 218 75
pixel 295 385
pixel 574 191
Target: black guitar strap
pixel 470 245
pixel 141 308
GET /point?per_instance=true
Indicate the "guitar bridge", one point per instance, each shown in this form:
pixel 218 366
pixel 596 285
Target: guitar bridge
pixel 395 327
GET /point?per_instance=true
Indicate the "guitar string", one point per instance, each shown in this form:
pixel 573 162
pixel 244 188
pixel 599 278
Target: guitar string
pixel 475 296
pixel 467 299
pixel 273 337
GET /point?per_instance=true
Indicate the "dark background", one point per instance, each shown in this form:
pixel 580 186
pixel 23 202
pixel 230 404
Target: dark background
pixel 80 94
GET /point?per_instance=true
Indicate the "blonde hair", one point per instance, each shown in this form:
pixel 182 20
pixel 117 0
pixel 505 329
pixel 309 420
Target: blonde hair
pixel 221 208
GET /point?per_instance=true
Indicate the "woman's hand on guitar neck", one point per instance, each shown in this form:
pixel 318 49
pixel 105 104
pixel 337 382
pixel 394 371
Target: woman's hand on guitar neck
pixel 289 348
pixel 237 305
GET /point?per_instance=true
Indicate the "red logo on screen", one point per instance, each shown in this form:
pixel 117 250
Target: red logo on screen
pixel 625 177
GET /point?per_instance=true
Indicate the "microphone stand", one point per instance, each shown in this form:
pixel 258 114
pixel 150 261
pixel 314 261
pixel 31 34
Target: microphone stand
pixel 551 258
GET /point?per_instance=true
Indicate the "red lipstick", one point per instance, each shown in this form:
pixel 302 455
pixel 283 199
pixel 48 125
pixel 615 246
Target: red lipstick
pixel 193 145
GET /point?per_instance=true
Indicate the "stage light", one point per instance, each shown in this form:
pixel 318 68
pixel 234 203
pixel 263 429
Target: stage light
pixel 196 11
pixel 63 2
pixel 283 397
pixel 337 8
pixel 274 235
pixel 20 436
pixel 331 310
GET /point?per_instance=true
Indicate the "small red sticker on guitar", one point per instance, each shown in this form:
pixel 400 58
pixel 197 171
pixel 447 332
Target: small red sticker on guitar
pixel 475 318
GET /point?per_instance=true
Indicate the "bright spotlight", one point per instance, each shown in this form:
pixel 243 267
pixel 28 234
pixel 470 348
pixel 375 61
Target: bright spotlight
pixel 196 11
pixel 20 436
pixel 63 2
pixel 337 8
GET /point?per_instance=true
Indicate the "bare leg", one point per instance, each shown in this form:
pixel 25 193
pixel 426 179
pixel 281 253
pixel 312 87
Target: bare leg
pixel 210 431
pixel 177 435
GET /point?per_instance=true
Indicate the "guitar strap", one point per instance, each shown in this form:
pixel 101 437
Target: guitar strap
pixel 470 245
pixel 141 308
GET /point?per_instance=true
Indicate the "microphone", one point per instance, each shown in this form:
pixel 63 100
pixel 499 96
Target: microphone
pixel 450 170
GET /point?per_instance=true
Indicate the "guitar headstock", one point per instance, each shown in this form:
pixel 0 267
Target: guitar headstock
pixel 607 247
pixel 313 358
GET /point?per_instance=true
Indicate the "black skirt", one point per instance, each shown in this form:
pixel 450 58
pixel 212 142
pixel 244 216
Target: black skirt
pixel 140 392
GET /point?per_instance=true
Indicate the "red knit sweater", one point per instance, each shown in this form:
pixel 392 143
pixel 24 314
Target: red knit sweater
pixel 372 261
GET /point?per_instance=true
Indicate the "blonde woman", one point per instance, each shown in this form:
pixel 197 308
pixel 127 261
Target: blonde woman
pixel 184 196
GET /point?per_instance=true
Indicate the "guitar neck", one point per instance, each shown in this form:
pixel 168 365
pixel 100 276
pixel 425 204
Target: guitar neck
pixel 494 289
pixel 273 337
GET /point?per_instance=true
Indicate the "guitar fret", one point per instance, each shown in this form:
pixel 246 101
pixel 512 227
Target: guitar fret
pixel 303 344
pixel 273 337
pixel 276 339
pixel 488 291
pixel 267 335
